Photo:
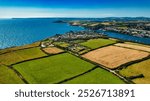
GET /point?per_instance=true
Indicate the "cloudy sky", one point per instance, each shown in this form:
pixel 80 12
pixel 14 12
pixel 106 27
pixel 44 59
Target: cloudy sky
pixel 74 8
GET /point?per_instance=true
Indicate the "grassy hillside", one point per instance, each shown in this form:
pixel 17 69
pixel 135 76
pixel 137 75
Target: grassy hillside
pixel 20 55
pixel 20 47
pixel 8 76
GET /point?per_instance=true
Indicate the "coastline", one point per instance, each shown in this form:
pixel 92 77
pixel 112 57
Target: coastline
pixel 98 52
pixel 76 48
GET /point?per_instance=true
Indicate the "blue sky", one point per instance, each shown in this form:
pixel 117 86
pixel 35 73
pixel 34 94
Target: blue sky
pixel 74 8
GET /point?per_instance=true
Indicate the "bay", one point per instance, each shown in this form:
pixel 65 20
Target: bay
pixel 17 32
pixel 126 37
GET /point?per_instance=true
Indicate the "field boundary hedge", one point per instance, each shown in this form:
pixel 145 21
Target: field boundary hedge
pixel 18 50
pixel 77 75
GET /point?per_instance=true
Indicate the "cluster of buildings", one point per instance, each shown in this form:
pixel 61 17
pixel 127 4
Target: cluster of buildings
pixel 134 28
pixel 134 32
pixel 76 35
pixel 71 36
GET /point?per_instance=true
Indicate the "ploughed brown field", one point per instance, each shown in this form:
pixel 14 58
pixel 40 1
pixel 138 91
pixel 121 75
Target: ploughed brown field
pixel 52 50
pixel 143 48
pixel 113 56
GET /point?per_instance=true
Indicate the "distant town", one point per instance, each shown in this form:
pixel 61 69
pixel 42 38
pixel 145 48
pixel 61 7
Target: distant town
pixel 139 27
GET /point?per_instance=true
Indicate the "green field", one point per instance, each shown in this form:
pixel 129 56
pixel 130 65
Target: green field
pixel 20 55
pixel 8 76
pixel 61 44
pixel 136 69
pixel 97 76
pixel 96 43
pixel 53 69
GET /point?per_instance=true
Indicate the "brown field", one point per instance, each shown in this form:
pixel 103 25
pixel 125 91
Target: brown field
pixel 113 56
pixel 52 50
pixel 134 47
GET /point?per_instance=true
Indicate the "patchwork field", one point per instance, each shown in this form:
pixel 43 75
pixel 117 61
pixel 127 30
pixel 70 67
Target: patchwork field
pixel 52 50
pixel 96 43
pixel 21 55
pixel 53 69
pixel 8 76
pixel 143 48
pixel 97 76
pixel 20 47
pixel 137 69
pixel 113 56
pixel 70 69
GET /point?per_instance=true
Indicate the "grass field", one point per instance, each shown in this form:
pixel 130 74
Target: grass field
pixel 8 76
pixel 113 56
pixel 96 43
pixel 136 69
pixel 53 69
pixel 97 76
pixel 21 55
pixel 61 44
pixel 19 47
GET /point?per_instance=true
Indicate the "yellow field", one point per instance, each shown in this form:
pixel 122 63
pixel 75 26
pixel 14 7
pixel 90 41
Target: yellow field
pixel 137 47
pixel 113 56
pixel 52 50
pixel 136 69
pixel 131 43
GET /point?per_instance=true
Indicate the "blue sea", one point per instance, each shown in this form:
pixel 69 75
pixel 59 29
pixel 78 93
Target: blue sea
pixel 17 32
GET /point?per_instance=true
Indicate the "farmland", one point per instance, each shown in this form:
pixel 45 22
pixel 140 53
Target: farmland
pixel 52 50
pixel 20 47
pixel 84 58
pixel 53 69
pixel 113 56
pixel 138 44
pixel 8 76
pixel 97 76
pixel 21 55
pixel 147 49
pixel 137 69
pixel 61 44
pixel 96 43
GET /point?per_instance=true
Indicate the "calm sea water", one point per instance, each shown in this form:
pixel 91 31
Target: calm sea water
pixel 127 37
pixel 17 32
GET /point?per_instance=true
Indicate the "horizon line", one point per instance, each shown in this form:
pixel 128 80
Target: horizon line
pixel 79 17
